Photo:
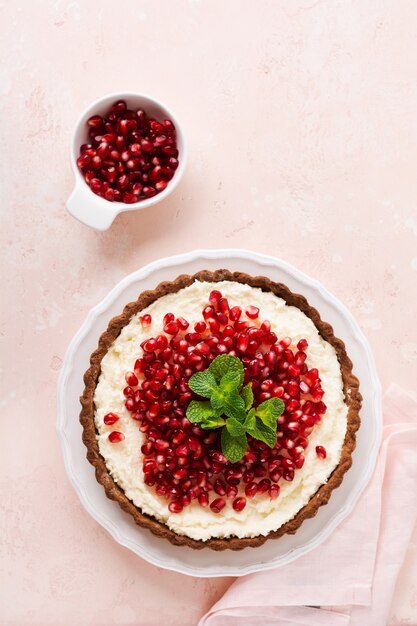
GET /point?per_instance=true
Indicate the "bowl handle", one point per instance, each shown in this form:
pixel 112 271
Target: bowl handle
pixel 89 209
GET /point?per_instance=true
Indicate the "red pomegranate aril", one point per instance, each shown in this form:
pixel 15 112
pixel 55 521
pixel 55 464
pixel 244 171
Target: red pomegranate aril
pixel 274 491
pixel 116 436
pixel 203 499
pixel 131 379
pixel 275 475
pixel 242 343
pixel 130 404
pixel 208 312
pixel 203 348
pixel 175 506
pixel 259 471
pixel 293 389
pixel 110 419
pixel 177 437
pixel 182 450
pixel 299 462
pixel 95 185
pixel 182 323
pixel 129 198
pixel 265 395
pixel 119 107
pixel 231 491
pixel 302 344
pixel 161 342
pixel 235 313
pixel 83 161
pixel 128 391
pixel 200 327
pixel 149 191
pixel 147 448
pixel 321 452
pixel 149 345
pixel 239 504
pixel 215 296
pixel 145 320
pixel 220 487
pixel 123 182
pixel 103 149
pixel 217 505
pixel 251 489
pixel 96 121
pixel 264 485
pixel 213 325
pixel 146 145
pixel 252 312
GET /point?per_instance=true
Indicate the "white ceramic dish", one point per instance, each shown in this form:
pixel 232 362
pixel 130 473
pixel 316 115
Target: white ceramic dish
pixel 207 563
pixel 93 210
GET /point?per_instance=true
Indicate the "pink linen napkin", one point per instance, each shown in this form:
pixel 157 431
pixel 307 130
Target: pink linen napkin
pixel 349 579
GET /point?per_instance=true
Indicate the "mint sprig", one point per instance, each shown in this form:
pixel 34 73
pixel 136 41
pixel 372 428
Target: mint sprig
pixel 230 407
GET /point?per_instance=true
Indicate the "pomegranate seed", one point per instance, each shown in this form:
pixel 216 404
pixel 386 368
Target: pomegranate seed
pixel 96 121
pixel 161 342
pixel 183 450
pixel 149 345
pixel 252 312
pixel 235 313
pixel 242 343
pixel 321 452
pixel 147 448
pixel 200 327
pixel 217 505
pixel 182 323
pixel 214 296
pixel 131 379
pixel 220 487
pixel 145 320
pixel 251 489
pixel 208 312
pixel 175 506
pixel 239 504
pixel 302 344
pixel 115 436
pixel 203 499
pixel 83 161
pixel 264 485
pixel 274 491
pixel 110 419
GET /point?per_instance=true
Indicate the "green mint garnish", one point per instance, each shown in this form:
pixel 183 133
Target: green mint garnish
pixel 230 407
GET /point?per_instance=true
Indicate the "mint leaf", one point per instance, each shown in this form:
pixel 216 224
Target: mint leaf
pixel 233 448
pixel 203 383
pixel 250 421
pixel 235 427
pixel 231 404
pixel 247 395
pixel 212 422
pixel 263 433
pixel 198 412
pixel 231 382
pixel 225 363
pixel 269 411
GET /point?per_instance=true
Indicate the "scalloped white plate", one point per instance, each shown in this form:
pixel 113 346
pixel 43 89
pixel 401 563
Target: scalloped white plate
pixel 207 563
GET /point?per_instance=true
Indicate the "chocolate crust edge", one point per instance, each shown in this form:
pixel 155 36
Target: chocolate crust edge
pixel 352 394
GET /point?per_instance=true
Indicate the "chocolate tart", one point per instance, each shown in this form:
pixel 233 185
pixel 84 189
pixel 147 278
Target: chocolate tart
pixel 352 399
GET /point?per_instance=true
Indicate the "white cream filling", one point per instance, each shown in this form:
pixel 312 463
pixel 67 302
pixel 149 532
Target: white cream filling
pixel 124 460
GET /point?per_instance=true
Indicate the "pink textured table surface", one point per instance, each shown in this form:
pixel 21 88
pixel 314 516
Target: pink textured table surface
pixel 301 123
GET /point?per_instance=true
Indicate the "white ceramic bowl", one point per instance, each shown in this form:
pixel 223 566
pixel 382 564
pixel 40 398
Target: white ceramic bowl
pixel 85 205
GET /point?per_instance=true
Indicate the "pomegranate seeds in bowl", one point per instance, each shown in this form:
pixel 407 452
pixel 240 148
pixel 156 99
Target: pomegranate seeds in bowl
pixel 130 156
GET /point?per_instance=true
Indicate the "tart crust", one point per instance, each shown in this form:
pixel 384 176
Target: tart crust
pixel 352 395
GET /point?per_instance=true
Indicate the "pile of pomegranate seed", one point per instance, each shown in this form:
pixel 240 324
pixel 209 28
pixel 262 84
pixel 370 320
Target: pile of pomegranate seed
pixel 183 462
pixel 130 156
